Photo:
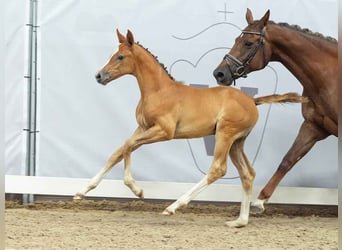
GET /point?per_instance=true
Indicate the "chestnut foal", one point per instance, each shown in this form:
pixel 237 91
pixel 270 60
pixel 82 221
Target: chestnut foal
pixel 171 110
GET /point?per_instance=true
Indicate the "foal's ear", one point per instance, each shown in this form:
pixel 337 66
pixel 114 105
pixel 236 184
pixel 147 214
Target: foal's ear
pixel 130 38
pixel 265 18
pixel 122 38
pixel 249 16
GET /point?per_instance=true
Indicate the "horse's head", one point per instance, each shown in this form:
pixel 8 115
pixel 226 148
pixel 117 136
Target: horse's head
pixel 249 53
pixel 121 62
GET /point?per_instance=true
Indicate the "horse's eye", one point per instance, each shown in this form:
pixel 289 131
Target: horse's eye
pixel 248 44
pixel 120 57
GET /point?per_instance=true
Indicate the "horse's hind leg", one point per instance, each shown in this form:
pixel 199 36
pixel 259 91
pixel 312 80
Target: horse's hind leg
pixel 308 135
pixel 217 170
pixel 247 175
pixel 187 197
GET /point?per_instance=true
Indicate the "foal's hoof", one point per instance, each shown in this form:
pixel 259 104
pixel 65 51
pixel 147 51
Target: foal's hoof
pixel 141 194
pixel 237 223
pixel 78 197
pixel 168 212
pixel 257 207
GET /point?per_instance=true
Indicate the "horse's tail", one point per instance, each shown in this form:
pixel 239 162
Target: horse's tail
pixel 289 97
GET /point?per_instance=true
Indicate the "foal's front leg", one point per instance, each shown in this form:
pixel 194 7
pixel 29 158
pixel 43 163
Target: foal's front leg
pixel 128 178
pixel 140 137
pixel 116 157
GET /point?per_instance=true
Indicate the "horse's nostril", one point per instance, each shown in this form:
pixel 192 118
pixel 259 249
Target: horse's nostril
pixel 220 74
pixel 98 77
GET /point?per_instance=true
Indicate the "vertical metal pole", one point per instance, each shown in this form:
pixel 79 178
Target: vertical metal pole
pixel 2 128
pixel 32 97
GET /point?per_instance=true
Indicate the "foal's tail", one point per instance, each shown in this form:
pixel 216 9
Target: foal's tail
pixel 289 97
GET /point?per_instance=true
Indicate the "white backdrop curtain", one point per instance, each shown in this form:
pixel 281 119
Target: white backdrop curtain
pixel 81 122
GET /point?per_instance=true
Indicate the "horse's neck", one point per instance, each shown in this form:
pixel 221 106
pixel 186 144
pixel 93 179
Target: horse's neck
pixel 150 75
pixel 300 56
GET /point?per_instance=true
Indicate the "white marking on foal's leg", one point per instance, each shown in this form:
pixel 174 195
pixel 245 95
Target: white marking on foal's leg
pixel 92 184
pixel 114 158
pixel 129 181
pixel 257 207
pixel 187 197
pixel 244 213
pixel 128 178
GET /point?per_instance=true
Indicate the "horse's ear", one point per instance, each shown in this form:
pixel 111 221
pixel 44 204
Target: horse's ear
pixel 249 16
pixel 130 38
pixel 121 37
pixel 265 18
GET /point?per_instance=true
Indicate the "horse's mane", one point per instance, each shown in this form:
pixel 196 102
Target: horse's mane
pixel 306 31
pixel 156 58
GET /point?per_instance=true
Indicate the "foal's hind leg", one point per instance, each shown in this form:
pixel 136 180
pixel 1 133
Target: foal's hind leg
pixel 247 175
pixel 217 170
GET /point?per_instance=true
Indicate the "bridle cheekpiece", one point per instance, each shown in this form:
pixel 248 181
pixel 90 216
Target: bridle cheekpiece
pixel 241 66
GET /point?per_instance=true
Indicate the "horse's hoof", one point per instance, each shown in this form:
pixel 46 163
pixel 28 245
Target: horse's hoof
pixel 168 212
pixel 256 210
pixel 141 194
pixel 257 207
pixel 78 197
pixel 236 223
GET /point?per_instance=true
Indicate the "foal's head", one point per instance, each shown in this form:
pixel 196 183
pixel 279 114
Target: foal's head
pixel 121 62
pixel 249 53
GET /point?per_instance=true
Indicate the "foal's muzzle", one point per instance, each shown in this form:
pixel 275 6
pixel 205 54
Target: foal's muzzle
pixel 102 77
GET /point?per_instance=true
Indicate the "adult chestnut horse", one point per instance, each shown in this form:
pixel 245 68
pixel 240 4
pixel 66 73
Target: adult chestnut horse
pixel 170 110
pixel 311 58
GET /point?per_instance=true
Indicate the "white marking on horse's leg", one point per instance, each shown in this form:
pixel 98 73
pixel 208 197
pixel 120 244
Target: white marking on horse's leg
pixel 129 182
pixel 247 175
pixel 244 213
pixel 187 197
pixel 257 207
pixel 128 178
pixel 92 184
pixel 115 158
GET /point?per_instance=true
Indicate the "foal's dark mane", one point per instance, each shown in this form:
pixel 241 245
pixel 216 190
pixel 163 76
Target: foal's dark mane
pixel 306 31
pixel 156 58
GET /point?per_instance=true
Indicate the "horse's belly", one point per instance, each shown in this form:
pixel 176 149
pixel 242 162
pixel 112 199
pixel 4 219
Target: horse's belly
pixel 194 129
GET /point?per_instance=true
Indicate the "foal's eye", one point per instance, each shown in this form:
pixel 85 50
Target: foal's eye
pixel 248 44
pixel 120 57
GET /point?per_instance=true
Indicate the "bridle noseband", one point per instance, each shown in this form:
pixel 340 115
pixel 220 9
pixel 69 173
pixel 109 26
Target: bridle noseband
pixel 241 66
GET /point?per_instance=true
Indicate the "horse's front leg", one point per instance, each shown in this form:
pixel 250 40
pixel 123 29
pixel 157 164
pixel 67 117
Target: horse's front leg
pixel 114 159
pixel 128 178
pixel 140 137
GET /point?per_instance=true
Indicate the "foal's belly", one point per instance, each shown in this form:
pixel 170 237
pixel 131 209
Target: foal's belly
pixel 194 129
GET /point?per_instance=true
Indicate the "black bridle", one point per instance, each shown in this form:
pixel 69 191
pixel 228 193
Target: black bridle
pixel 240 70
